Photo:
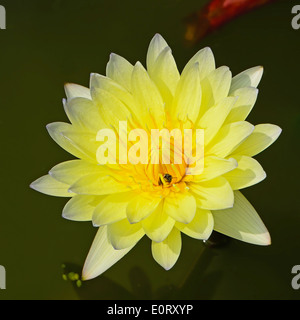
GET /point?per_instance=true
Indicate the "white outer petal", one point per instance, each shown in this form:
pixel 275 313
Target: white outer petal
pixel 73 90
pixel 101 256
pixel 242 222
pixel 248 78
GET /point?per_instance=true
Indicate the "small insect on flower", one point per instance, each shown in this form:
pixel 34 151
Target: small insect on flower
pixel 127 200
pixel 166 178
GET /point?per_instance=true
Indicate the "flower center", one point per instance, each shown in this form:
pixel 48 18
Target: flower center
pixel 165 179
pixel 166 168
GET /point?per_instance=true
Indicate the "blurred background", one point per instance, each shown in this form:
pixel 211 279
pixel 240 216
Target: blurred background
pixel 50 42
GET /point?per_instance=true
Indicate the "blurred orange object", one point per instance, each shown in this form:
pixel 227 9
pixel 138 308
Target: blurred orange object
pixel 215 14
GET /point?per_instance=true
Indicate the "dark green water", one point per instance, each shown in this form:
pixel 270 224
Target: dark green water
pixel 50 42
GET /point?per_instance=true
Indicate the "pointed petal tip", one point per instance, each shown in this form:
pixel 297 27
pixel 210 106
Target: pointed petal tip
pixel 138 64
pixel 64 216
pixel 167 268
pixel 32 186
pixel 94 74
pixel 265 240
pixel 269 240
pixel 275 130
pixel 279 130
pixel 85 276
pixel 96 225
pixel 207 49
pixel 234 162
pixel 70 190
pixel 259 70
pixel 112 55
pixel 67 85
pixel 49 126
pixel 132 220
pixel 158 36
pixel 264 175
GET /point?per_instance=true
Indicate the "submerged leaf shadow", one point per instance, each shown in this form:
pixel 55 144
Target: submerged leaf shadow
pixel 140 284
pixel 200 282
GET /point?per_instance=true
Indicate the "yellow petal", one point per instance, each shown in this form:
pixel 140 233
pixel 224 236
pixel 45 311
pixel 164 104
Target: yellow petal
pixel 242 222
pixel 248 173
pixel 120 70
pixel 213 194
pixel 74 91
pixel 215 167
pixel 141 207
pixel 248 78
pixel 84 142
pixel 165 75
pixel 80 208
pixel 158 225
pixel 229 138
pixel 70 171
pixel 205 60
pixel 156 46
pixel 180 206
pixel 101 256
pixel 200 227
pixel 246 98
pixel 48 185
pixel 112 208
pixel 260 139
pixel 56 130
pixel 214 118
pixel 215 87
pixel 99 82
pixel 111 109
pixel 147 97
pixel 167 252
pixel 123 235
pixel 187 100
pixel 81 144
pixel 84 114
pixel 97 184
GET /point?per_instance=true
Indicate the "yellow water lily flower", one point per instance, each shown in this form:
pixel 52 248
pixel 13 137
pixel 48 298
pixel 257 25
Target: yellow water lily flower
pixel 128 201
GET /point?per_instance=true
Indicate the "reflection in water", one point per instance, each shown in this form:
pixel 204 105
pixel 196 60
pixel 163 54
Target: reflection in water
pixel 217 240
pixel 140 283
pixel 198 279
